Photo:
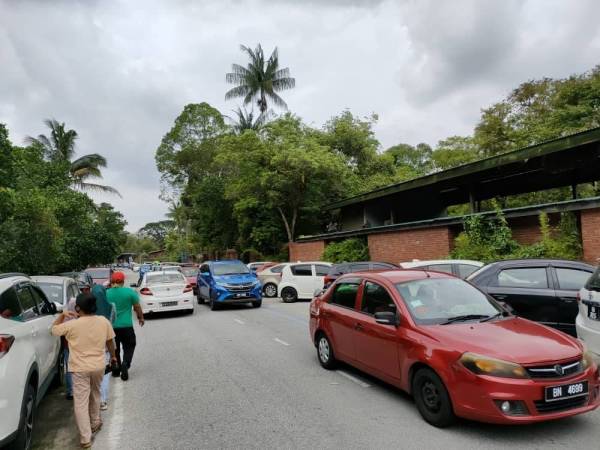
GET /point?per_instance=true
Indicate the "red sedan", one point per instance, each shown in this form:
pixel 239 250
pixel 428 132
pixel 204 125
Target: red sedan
pixel 457 351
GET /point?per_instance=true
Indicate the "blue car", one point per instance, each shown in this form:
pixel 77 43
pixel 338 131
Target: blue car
pixel 228 282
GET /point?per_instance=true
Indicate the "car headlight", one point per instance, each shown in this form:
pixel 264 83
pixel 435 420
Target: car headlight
pixel 484 365
pixel 587 359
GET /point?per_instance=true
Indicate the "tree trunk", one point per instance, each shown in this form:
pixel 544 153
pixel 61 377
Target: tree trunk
pixel 289 230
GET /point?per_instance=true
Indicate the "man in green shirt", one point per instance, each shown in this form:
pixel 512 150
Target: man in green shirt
pixel 125 299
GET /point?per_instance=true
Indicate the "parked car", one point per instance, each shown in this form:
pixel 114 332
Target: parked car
pixel 57 289
pixel 191 274
pixel 301 280
pixel 228 282
pixel 163 291
pixel 340 269
pixel 84 280
pixel 254 266
pixel 543 290
pixel 169 268
pixel 270 278
pixel 461 268
pixel 455 349
pixel 587 322
pixel 100 275
pixel 30 357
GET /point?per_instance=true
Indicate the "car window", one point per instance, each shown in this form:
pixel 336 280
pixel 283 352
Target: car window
pixel 571 279
pixel 379 266
pixel 446 268
pixel 277 269
pixel 524 277
pixel 301 270
pixel 345 294
pixel 165 278
pixel 10 308
pixel 230 268
pixel 99 273
pixel 53 291
pixel 42 303
pixel 359 267
pixel 464 270
pixel 593 284
pixel 376 299
pixel 321 271
pixel 27 303
pixel 72 292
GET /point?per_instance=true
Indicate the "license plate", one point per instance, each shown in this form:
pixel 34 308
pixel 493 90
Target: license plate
pixel 554 393
pixel 168 304
pixel 240 295
pixel 594 312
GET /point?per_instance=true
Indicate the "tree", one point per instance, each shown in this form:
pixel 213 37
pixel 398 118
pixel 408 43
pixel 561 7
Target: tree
pixel 246 121
pixel 60 146
pixel 157 231
pixel 260 79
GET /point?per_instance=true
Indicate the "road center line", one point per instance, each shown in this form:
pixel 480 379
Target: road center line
pixel 353 379
pixel 281 342
pixel 241 322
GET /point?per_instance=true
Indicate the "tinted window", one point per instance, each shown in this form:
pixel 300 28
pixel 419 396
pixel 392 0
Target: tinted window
pixel 204 268
pixel 9 305
pixel 301 270
pixel 571 279
pixel 359 267
pixel 27 303
pixel 321 271
pixel 593 284
pixel 345 294
pixel 277 269
pixel 376 299
pixel 526 277
pixel 464 270
pixel 446 268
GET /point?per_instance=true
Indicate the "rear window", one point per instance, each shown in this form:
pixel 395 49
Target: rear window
pixel 446 268
pixel 99 273
pixel 54 292
pixel 189 271
pixel 301 270
pixel 571 279
pixel 163 278
pixel 464 270
pixel 593 284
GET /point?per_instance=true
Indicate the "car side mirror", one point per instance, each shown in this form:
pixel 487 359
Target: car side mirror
pixel 387 318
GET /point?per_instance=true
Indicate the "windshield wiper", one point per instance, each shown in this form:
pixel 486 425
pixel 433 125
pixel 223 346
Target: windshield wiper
pixel 464 317
pixel 495 316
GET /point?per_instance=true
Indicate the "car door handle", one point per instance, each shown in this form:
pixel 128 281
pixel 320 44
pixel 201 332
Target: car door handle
pixel 358 327
pixel 567 299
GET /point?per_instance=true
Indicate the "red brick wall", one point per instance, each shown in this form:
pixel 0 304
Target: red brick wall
pixel 398 246
pixel 306 251
pixel 590 235
pixel 525 230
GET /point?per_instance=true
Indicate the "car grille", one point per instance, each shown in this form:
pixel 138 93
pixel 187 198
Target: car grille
pixel 239 287
pixel 560 405
pixel 555 370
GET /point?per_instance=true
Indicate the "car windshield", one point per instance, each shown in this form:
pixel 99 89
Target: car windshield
pixel 230 269
pixel 54 292
pixel 99 273
pixel 189 271
pixel 165 278
pixel 437 300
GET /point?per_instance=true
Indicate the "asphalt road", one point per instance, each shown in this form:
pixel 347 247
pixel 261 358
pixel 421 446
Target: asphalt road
pixel 249 378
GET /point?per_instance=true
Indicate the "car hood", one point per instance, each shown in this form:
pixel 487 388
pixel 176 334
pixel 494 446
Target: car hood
pixel 517 340
pixel 235 279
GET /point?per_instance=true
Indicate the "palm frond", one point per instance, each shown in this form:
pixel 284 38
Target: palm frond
pixel 282 84
pixel 93 187
pixel 91 160
pixel 86 172
pixel 277 100
pixel 238 91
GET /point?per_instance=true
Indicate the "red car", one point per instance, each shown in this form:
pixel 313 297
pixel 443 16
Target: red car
pixel 100 275
pixel 191 275
pixel 457 351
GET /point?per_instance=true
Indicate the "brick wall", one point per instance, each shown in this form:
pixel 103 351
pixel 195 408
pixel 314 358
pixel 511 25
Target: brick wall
pixel 398 246
pixel 525 230
pixel 306 251
pixel 590 235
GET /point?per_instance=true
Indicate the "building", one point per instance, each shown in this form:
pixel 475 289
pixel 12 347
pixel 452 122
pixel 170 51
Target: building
pixel 409 220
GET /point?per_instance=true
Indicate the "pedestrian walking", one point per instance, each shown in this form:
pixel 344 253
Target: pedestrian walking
pixel 125 300
pixel 88 336
pixel 107 310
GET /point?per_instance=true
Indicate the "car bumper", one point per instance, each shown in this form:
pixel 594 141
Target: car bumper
pixel 167 304
pixel 474 397
pixel 232 297
pixel 590 336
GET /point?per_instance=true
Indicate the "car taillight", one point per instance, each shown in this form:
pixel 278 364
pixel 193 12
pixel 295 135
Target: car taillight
pixel 578 298
pixel 188 288
pixel 6 342
pixel 145 291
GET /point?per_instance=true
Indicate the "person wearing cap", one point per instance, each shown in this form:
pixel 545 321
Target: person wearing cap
pixel 89 335
pixel 125 300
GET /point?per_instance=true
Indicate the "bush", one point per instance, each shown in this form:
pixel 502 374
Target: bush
pixel 346 251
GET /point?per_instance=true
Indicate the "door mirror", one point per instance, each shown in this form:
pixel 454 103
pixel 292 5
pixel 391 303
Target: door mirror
pixel 318 292
pixel 59 307
pixel 387 318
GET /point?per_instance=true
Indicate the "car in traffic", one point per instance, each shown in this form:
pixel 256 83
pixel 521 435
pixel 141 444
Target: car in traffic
pixel 166 290
pixel 57 289
pixel 100 275
pixel 270 277
pixel 337 270
pixel 301 280
pixel 30 357
pixel 254 266
pixel 84 280
pixel 228 282
pixel 461 268
pixel 542 290
pixel 191 275
pixel 587 322
pixel 455 349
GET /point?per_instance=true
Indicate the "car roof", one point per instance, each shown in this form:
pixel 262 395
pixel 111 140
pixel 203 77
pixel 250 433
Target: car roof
pixel 399 275
pixel 537 261
pixel 419 263
pixel 51 279
pixel 224 261
pixel 162 272
pixel 310 262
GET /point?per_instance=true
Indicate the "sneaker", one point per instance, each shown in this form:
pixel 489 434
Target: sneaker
pixel 124 373
pixel 103 406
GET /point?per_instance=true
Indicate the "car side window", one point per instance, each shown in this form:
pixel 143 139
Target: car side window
pixel 277 269
pixel 301 270
pixel 571 279
pixel 10 308
pixel 446 268
pixel 524 277
pixel 321 271
pixel 464 270
pixel 28 304
pixel 43 305
pixel 376 299
pixel 345 294
pixel 72 292
pixel 204 268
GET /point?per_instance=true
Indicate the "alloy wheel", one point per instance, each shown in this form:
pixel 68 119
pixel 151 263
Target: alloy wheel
pixel 29 410
pixel 270 290
pixel 324 349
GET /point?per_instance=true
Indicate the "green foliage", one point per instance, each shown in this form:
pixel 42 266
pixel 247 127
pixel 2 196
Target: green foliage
pixel 157 231
pixel 348 250
pixel 562 242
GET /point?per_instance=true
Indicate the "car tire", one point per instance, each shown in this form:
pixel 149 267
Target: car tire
pixel 257 304
pixel 213 305
pixel 59 377
pixel 432 398
pixel 200 299
pixel 270 290
pixel 325 352
pixel 289 295
pixel 26 422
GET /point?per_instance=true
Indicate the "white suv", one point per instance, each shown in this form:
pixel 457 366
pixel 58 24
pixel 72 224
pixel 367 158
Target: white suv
pixel 588 319
pixel 30 357
pixel 301 280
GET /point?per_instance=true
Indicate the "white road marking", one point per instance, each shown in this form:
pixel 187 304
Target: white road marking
pixel 241 322
pixel 353 379
pixel 281 342
pixel 117 419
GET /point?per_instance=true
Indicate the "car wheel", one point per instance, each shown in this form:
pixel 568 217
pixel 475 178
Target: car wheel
pixel 325 352
pixel 212 304
pixel 270 290
pixel 25 431
pixel 200 299
pixel 257 304
pixel 289 295
pixel 432 399
pixel 59 378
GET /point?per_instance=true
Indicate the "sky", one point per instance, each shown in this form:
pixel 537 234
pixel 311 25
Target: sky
pixel 119 72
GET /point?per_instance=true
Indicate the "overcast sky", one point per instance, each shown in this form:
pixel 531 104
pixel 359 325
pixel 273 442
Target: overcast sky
pixel 119 72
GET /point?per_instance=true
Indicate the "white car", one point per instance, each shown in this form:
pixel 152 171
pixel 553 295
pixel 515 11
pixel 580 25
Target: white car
pixel 461 268
pixel 57 289
pixel 30 357
pixel 270 279
pixel 301 280
pixel 588 319
pixel 165 291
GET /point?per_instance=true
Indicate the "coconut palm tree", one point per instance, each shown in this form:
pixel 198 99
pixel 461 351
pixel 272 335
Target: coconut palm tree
pixel 260 79
pixel 245 120
pixel 60 146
